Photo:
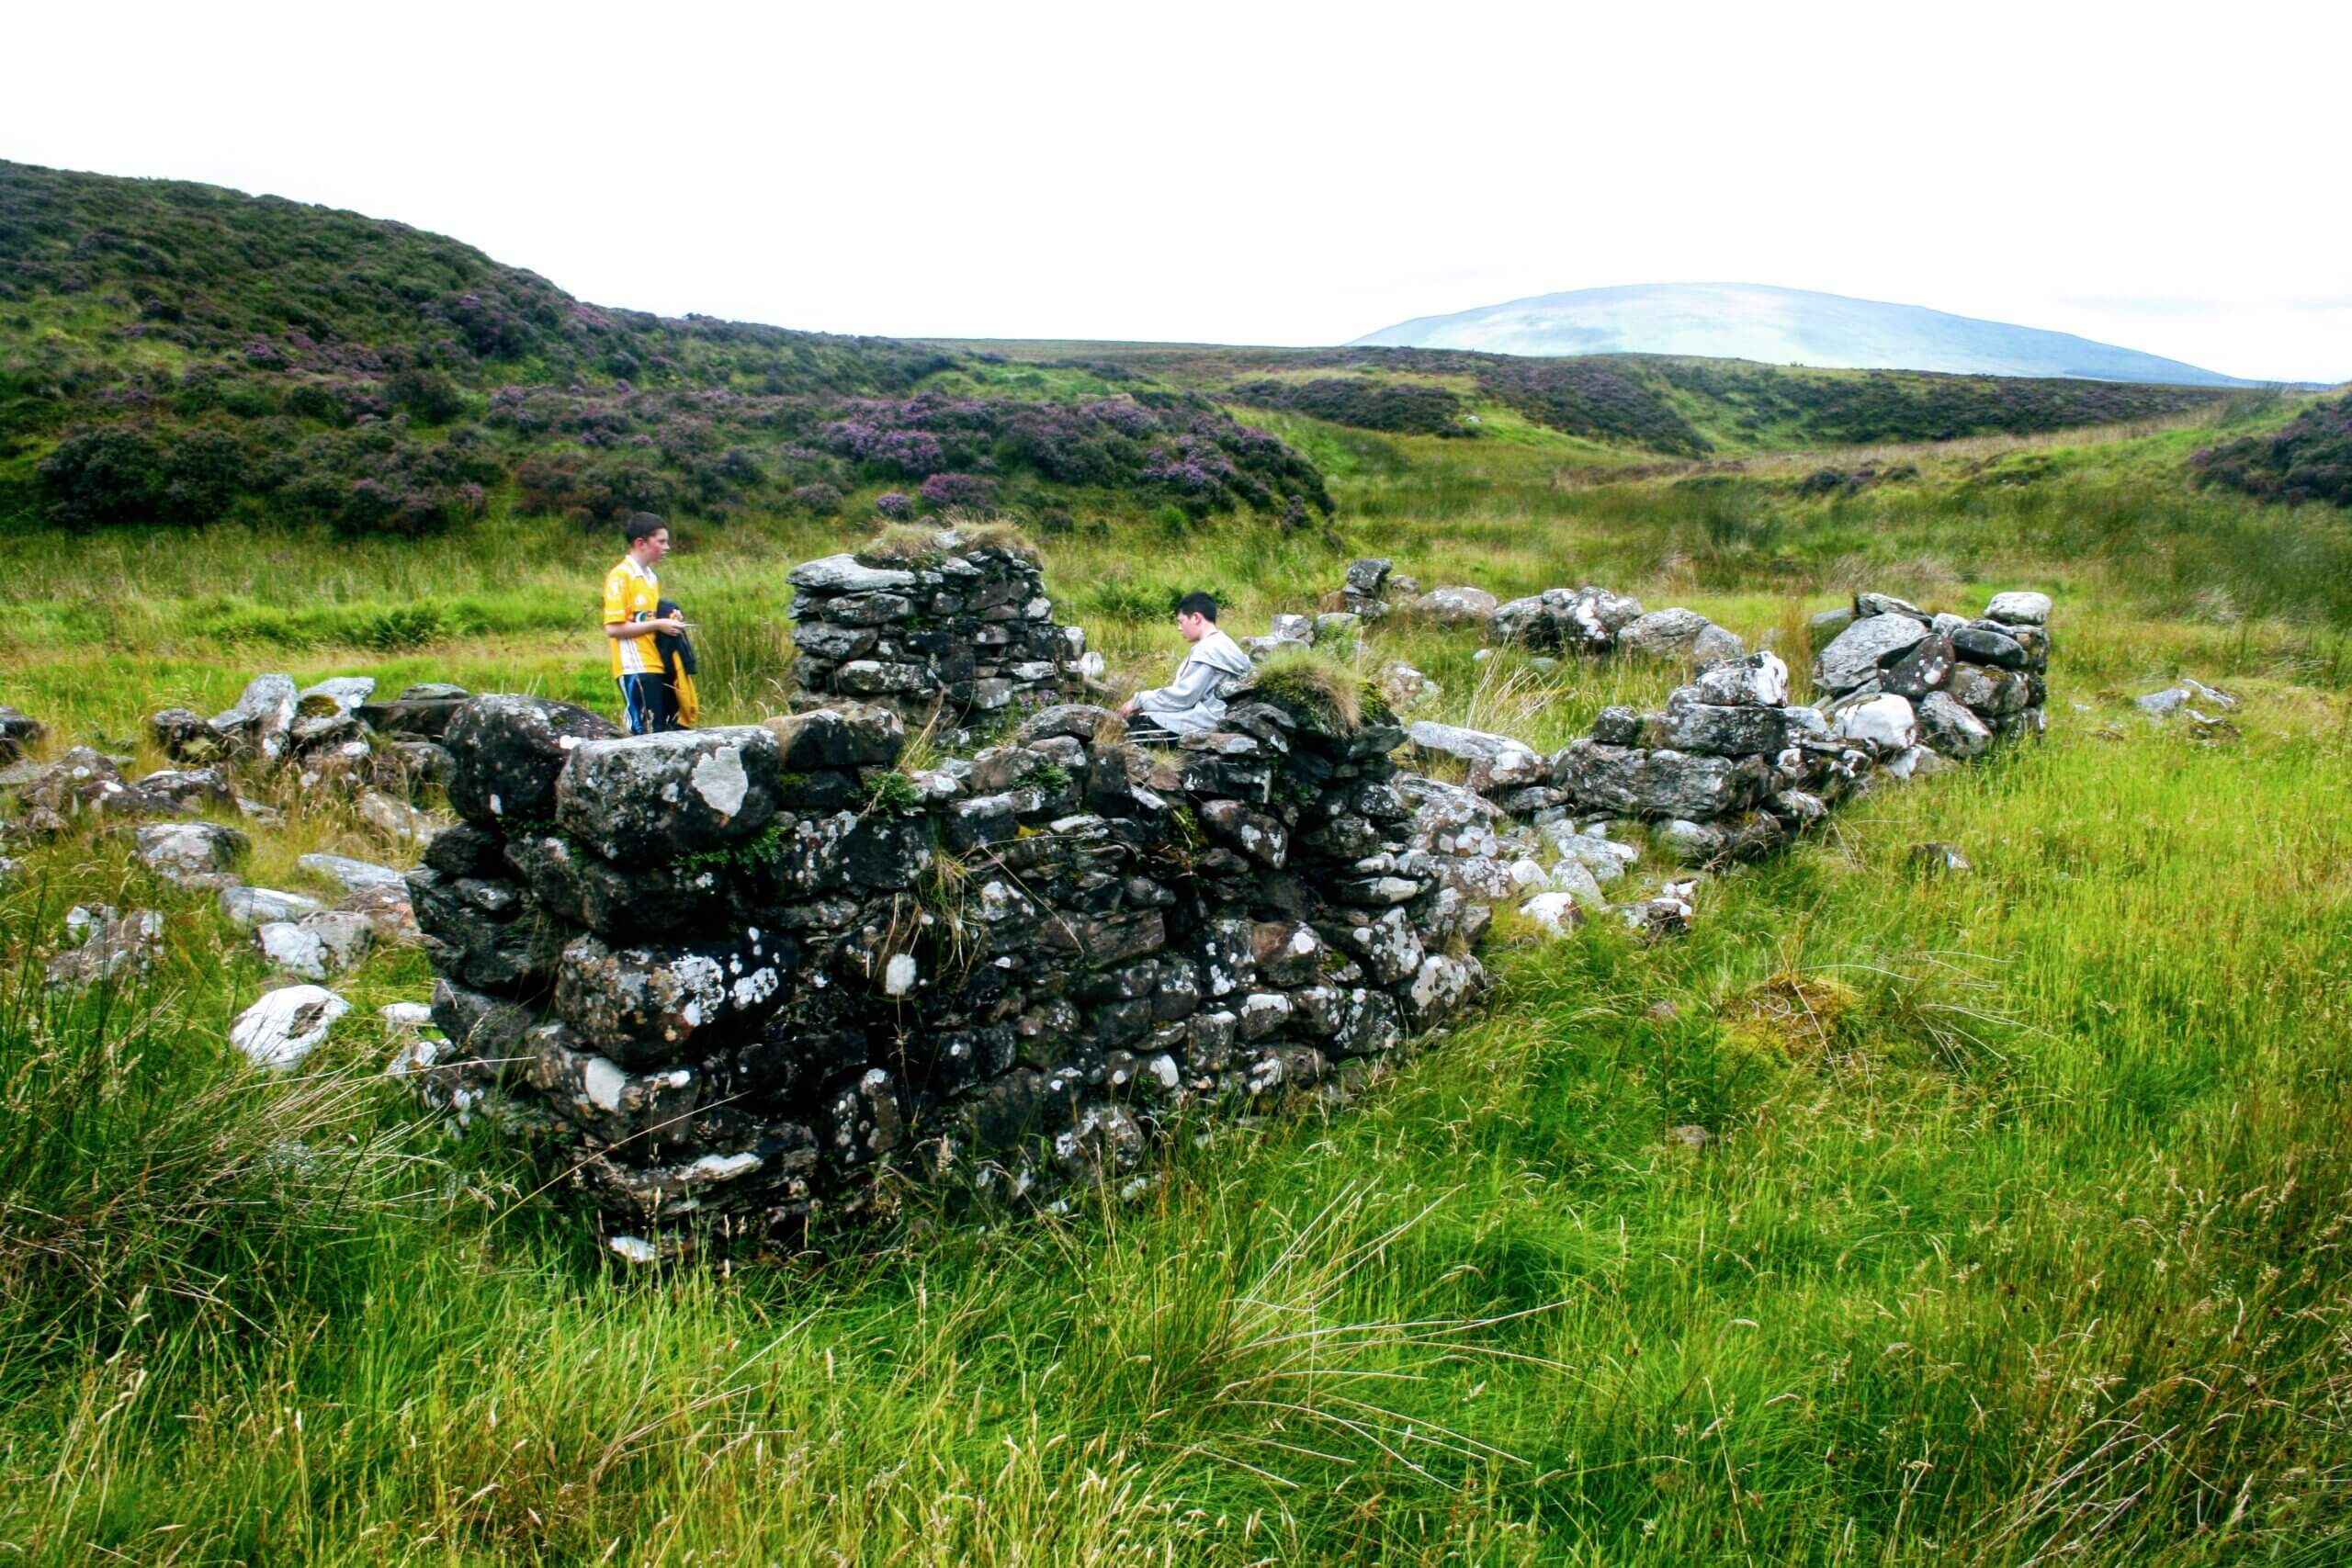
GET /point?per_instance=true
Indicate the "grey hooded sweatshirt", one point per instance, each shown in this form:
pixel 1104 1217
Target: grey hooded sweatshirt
pixel 1195 702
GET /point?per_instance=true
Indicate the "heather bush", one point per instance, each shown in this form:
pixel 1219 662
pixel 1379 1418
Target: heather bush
pixel 895 505
pixel 944 491
pixel 817 500
pixel 1404 408
pixel 426 394
pixel 202 473
pixel 110 474
pixel 2310 458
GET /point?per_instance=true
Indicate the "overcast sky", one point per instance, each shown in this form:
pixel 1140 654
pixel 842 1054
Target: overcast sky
pixel 1274 174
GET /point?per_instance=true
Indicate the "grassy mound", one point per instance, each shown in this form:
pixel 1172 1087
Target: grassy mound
pixel 1327 696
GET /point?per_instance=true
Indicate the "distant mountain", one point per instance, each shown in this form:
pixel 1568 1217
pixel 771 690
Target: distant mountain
pixel 1782 326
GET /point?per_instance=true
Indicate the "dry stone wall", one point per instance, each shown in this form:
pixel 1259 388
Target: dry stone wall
pixel 1732 768
pixel 733 978
pixel 952 625
pixel 732 975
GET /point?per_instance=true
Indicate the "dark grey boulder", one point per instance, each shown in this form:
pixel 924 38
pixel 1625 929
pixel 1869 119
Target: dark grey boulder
pixel 18 729
pixel 484 932
pixel 1759 680
pixel 1990 692
pixel 1387 945
pixel 188 788
pixel 1618 726
pixel 480 1025
pixel 1632 782
pixel 179 851
pixel 1586 619
pixel 828 640
pixel 982 820
pixel 1456 607
pixel 1868 604
pixel 1949 729
pixel 1663 634
pixel 596 1095
pixel 350 875
pixel 421 717
pixel 1982 643
pixel 1076 721
pixel 257 724
pixel 335 694
pixel 184 735
pixel 1923 669
pixel 258 906
pixel 846 574
pixel 640 799
pixel 1721 730
pixel 510 750
pixel 616 900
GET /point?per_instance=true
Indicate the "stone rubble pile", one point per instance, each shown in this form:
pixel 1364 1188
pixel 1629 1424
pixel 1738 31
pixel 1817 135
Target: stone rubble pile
pixel 331 735
pixel 328 739
pixel 1900 678
pixel 738 973
pixel 1585 620
pixel 1592 620
pixel 962 626
pixel 1732 768
pixel 1373 589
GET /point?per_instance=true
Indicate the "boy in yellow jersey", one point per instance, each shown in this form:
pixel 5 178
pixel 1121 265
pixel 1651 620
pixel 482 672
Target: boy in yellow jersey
pixel 633 620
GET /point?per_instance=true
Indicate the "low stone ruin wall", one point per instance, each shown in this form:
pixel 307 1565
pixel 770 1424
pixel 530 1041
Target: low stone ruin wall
pixel 732 974
pixel 1732 768
pixel 953 626
pixel 1585 620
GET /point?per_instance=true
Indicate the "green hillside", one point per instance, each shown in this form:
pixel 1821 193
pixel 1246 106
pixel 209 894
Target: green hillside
pixel 1661 404
pixel 180 353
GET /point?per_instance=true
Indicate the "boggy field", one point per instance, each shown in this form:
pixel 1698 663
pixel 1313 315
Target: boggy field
pixel 2015 1231
pixel 2018 1232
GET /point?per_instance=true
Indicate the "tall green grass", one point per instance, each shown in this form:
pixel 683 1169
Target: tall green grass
pixel 2017 1235
pixel 2027 1242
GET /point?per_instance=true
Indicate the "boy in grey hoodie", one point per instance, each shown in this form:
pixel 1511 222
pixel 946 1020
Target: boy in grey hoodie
pixel 1194 702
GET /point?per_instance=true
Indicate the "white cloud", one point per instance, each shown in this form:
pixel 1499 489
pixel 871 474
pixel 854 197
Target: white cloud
pixel 1273 173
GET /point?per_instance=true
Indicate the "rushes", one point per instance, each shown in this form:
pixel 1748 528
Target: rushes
pixel 142 1167
pixel 1301 1379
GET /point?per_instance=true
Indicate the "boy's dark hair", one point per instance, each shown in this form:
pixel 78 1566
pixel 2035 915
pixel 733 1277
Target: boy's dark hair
pixel 1196 604
pixel 641 525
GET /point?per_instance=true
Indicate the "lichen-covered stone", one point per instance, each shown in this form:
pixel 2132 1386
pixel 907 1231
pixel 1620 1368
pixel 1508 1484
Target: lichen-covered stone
pixel 639 799
pixel 642 1005
pixel 1657 783
pixel 1863 649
